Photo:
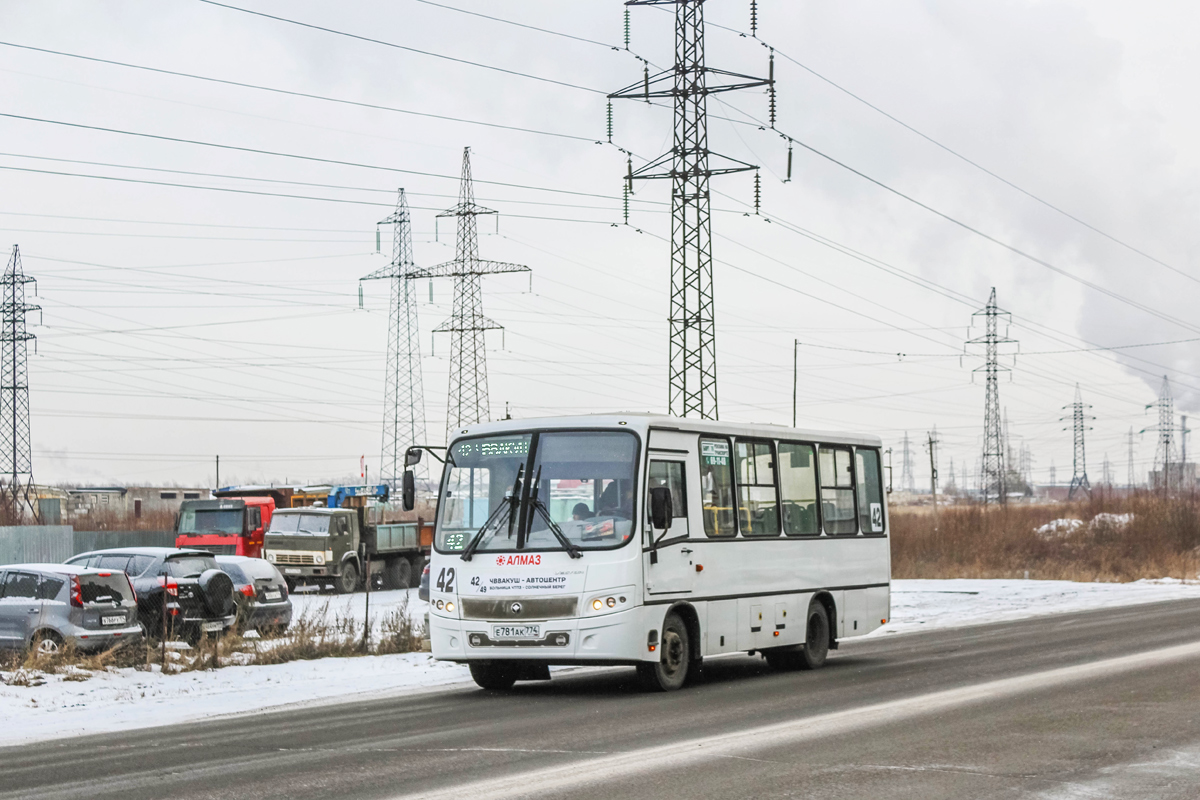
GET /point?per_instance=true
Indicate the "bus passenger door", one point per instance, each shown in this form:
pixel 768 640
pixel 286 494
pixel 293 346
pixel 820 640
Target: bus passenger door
pixel 670 568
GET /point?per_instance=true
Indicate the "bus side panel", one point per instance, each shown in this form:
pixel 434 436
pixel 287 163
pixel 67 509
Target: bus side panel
pixel 855 616
pixel 721 636
pixel 879 606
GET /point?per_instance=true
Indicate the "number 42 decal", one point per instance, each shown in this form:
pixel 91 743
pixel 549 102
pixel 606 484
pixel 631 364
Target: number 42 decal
pixel 445 580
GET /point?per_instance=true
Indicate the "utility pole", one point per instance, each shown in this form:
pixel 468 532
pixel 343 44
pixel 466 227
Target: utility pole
pixel 795 376
pixel 467 401
pixel 17 495
pixel 692 356
pixel 933 471
pixel 993 474
pixel 403 387
pixel 218 472
pixel 1131 473
pixel 1079 419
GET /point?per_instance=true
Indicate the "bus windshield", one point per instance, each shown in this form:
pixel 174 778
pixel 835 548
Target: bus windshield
pixel 585 486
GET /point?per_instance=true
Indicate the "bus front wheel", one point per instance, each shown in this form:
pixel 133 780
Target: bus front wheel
pixel 495 677
pixel 671 670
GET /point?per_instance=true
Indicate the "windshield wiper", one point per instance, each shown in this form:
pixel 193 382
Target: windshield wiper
pixel 572 549
pixel 505 506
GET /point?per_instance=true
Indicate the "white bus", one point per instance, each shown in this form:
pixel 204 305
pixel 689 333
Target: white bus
pixel 655 542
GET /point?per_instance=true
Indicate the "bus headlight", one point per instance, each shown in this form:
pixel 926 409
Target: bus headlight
pixel 598 604
pixel 613 600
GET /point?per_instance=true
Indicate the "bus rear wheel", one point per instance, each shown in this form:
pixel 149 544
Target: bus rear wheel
pixel 671 670
pixel 495 677
pixel 815 649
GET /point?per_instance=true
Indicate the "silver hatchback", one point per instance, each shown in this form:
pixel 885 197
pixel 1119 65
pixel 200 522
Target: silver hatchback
pixel 52 604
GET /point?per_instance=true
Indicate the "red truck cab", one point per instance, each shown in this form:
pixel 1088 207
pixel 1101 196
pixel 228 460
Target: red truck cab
pixel 226 526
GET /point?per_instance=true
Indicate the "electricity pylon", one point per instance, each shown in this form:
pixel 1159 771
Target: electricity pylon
pixel 403 392
pixel 1164 453
pixel 467 401
pixel 692 355
pixel 992 476
pixel 1079 419
pixel 906 467
pixel 17 496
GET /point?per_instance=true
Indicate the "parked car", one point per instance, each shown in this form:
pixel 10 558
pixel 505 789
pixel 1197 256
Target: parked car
pixel 198 595
pixel 48 605
pixel 423 592
pixel 261 593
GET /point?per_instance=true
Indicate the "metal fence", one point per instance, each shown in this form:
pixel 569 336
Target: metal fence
pixel 56 543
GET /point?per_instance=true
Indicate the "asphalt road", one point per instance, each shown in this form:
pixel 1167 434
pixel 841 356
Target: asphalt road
pixel 1094 705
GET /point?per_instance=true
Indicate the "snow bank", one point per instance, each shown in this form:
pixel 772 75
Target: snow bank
pixel 920 605
pixel 1058 528
pixel 126 699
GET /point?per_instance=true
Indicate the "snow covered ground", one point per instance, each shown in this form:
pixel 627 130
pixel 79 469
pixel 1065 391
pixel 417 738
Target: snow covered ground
pixel 128 699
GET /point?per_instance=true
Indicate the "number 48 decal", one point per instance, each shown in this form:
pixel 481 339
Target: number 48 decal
pixel 445 580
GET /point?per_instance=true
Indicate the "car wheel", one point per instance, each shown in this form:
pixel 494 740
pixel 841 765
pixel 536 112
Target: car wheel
pixel 347 582
pixel 414 579
pixel 674 658
pixel 495 677
pixel 816 639
pixel 47 643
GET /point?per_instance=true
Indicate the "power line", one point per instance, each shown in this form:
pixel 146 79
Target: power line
pixel 307 95
pixel 230 190
pixel 402 47
pixel 317 159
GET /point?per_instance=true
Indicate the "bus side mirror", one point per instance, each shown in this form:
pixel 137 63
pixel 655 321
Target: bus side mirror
pixel 408 492
pixel 660 508
pixel 412 456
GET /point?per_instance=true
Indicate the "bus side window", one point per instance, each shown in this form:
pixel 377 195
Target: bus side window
pixel 837 491
pixel 798 482
pixel 669 474
pixel 716 488
pixel 758 506
pixel 870 491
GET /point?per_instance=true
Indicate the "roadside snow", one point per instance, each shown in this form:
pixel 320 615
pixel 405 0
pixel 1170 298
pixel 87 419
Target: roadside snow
pixel 920 605
pixel 128 699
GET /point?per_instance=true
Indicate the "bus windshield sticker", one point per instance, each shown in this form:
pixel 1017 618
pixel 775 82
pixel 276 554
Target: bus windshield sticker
pixel 714 452
pixel 876 517
pixel 555 581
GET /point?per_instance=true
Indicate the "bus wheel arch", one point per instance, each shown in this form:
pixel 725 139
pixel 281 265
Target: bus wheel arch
pixel 826 599
pixel 687 612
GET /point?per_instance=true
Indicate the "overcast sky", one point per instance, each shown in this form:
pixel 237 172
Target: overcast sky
pixel 182 322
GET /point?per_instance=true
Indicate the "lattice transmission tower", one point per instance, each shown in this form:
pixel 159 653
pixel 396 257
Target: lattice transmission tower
pixel 992 476
pixel 1079 424
pixel 17 497
pixel 907 483
pixel 467 401
pixel 692 352
pixel 1164 453
pixel 403 392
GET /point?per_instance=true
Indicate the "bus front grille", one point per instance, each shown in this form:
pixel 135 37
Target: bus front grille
pixel 519 608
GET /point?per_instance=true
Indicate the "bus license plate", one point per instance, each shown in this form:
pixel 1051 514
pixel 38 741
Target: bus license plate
pixel 118 619
pixel 516 631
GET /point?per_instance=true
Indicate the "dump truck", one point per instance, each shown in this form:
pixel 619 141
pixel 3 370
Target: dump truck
pixel 231 526
pixel 337 546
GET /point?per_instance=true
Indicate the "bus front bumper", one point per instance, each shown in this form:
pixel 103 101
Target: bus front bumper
pixel 616 638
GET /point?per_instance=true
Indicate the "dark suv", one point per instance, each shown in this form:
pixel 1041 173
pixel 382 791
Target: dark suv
pixel 199 596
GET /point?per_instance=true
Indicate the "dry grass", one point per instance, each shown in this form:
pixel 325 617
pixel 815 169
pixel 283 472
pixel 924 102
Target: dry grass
pixel 1161 540
pixel 314 634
